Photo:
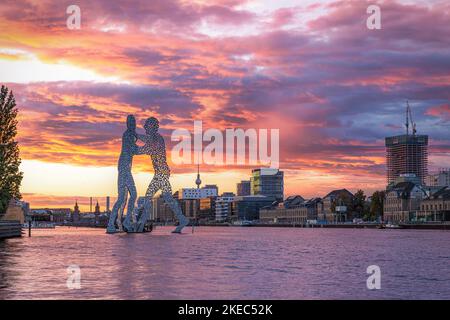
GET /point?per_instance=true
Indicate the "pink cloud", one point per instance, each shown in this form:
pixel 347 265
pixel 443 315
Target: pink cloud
pixel 441 111
pixel 335 89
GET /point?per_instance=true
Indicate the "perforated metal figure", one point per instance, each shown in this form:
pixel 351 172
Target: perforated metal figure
pixel 125 181
pixel 155 148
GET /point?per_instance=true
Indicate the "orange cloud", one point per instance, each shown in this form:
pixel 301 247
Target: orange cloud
pixel 333 88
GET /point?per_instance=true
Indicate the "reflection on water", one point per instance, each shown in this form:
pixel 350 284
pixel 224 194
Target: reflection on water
pixel 227 263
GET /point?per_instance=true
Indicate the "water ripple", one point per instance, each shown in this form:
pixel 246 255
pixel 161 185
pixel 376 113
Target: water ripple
pixel 227 263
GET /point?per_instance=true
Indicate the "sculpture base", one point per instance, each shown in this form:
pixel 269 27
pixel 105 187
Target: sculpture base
pixel 140 227
pixel 114 232
pixel 111 230
pixel 143 231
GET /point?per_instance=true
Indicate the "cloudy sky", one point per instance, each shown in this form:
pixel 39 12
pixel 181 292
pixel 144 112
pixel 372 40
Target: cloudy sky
pixel 309 68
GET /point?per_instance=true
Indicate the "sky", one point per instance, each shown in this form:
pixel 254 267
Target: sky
pixel 311 69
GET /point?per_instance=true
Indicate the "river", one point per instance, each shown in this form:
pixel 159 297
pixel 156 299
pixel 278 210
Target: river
pixel 227 263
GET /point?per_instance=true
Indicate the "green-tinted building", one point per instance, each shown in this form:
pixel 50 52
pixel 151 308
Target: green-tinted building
pixel 267 182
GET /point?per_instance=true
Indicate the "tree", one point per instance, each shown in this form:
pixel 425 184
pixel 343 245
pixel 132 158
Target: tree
pixel 377 205
pixel 10 176
pixel 359 203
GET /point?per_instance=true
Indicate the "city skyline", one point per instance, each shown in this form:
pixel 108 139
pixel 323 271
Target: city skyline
pixel 234 64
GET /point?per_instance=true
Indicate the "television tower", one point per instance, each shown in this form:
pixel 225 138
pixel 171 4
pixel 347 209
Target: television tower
pixel 198 181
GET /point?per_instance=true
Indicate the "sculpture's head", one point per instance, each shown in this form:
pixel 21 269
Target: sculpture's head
pixel 151 125
pixel 131 122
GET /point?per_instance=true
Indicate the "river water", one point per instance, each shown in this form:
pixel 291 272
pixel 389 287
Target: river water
pixel 227 263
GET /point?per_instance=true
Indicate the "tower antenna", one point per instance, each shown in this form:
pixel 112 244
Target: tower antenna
pixel 409 115
pixel 407 119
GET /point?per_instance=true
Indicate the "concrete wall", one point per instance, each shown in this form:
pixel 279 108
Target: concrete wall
pixel 14 212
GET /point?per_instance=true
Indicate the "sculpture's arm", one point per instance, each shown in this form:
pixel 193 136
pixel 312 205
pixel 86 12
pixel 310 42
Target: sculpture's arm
pixel 135 149
pixel 143 137
pixel 140 150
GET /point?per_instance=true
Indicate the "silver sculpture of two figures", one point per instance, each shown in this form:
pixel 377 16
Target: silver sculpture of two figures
pixel 138 218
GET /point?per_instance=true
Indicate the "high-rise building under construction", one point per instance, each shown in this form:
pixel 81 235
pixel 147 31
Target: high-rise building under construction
pixel 407 153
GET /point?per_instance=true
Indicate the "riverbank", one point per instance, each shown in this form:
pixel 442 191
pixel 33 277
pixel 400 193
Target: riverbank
pixel 418 226
pixel 423 226
pixel 10 229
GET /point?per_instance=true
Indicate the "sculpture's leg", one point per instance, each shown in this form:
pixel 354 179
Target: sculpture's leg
pixel 130 218
pixel 173 204
pixel 146 207
pixel 132 200
pixel 144 218
pixel 120 214
pixel 114 213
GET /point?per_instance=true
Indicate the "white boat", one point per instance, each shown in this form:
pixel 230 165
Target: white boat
pixel 392 226
pixel 243 223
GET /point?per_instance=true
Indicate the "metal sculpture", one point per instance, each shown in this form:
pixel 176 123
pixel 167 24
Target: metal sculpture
pixel 154 147
pixel 125 181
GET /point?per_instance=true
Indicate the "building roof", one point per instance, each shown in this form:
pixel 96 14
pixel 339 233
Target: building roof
pixel 405 186
pixel 403 189
pixel 406 139
pixel 267 171
pixel 312 201
pixel 338 192
pixel 293 201
pixel 444 193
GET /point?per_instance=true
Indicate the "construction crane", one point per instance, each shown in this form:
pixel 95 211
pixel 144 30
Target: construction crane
pixel 409 119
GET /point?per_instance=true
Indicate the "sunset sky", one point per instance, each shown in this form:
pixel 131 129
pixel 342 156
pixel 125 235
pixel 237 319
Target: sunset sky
pixel 309 68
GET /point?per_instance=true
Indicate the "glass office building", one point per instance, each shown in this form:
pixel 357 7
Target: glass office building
pixel 267 182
